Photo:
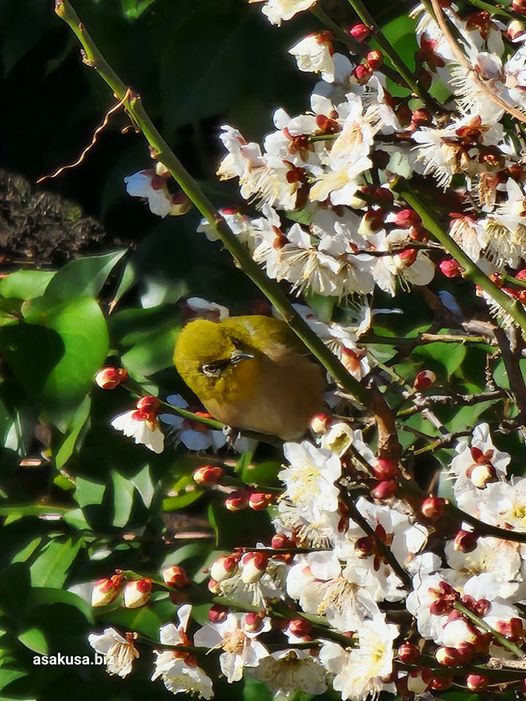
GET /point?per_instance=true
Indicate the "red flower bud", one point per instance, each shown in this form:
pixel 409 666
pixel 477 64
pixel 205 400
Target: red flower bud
pixel 408 256
pixel 385 469
pixel 432 507
pixel 259 501
pixel 408 653
pixel 175 576
pixel 208 474
pixel 237 500
pixel 280 540
pixel 519 6
pixel 421 117
pixel 476 682
pixel 299 627
pixel 254 566
pixel 440 683
pixel 450 268
pixel 320 422
pixel 406 218
pixel 224 567
pixel 106 590
pixel 137 593
pixel 359 31
pixel 364 546
pixel 384 489
pixel 465 541
pixel 253 621
pixel 448 656
pixel 109 378
pixel 424 379
pixel 375 59
pixel 217 613
pixel 362 73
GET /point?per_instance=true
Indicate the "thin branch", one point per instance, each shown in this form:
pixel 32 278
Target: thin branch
pixel 485 626
pixel 511 356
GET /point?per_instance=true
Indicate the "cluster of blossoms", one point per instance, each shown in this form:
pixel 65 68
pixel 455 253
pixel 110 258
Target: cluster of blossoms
pixel 315 606
pixel 367 585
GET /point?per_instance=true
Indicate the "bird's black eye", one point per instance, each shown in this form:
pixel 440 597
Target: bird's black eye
pixel 214 369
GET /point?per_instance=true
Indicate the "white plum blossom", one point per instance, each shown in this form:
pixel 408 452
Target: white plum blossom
pixel 288 671
pixel 192 434
pixel 119 652
pixel 143 426
pixel 360 672
pixel 278 11
pixel 238 640
pixel 314 55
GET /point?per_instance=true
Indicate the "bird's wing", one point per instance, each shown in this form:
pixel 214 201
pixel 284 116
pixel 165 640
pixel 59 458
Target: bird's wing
pixel 264 333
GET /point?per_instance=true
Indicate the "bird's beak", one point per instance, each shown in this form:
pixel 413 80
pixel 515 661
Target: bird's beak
pixel 238 356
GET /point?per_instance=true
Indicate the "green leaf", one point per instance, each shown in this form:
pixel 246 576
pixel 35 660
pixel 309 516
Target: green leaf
pixel 88 492
pixel 51 568
pixel 77 424
pixel 449 356
pixel 45 596
pixel 132 9
pixel 84 277
pixel 144 484
pixel 123 490
pixel 26 284
pixel 77 345
pixel 35 640
pixel 14 589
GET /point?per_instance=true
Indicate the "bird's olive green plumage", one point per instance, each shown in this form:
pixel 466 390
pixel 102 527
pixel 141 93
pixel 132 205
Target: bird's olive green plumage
pixel 252 373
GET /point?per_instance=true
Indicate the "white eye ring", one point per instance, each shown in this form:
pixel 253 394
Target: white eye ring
pixel 212 369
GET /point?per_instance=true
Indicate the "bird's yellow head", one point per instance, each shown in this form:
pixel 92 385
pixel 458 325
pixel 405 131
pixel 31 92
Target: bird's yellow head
pixel 215 361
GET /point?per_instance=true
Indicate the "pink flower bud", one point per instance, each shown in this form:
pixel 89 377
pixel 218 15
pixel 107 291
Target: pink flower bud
pixel 406 218
pixel 280 540
pixel 408 257
pixel 208 474
pixel 359 31
pixel 386 469
pixel 424 379
pixel 175 576
pixel 147 409
pixel 106 590
pixel 217 613
pixel 109 378
pixel 224 567
pixel 299 627
pixel 450 268
pixel 371 222
pixel 375 59
pixel 432 507
pixel 465 541
pixel 421 117
pixel 320 423
pixel 213 587
pixel 137 593
pixel 476 682
pixel 408 653
pixel 237 501
pixel 253 622
pixel 384 489
pixel 253 567
pixel 259 501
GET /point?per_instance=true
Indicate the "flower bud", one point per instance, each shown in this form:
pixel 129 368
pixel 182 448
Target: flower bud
pixel 208 474
pixel 450 268
pixel 447 656
pixel 280 540
pixel 418 681
pixel 385 469
pixel 362 72
pixel 424 379
pixel 109 378
pixel 106 590
pixel 375 59
pixel 217 613
pixel 253 567
pixel 253 622
pixel 137 593
pixel 237 501
pixel 421 117
pixel 359 31
pixel 299 627
pixel 465 541
pixel 408 653
pixel 213 586
pixel 407 217
pixel 408 257
pixel 320 423
pixel 181 204
pixel 476 682
pixel 384 489
pixel 224 567
pixel 481 475
pixel 371 222
pixel 259 501
pixel 175 576
pixel 432 507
